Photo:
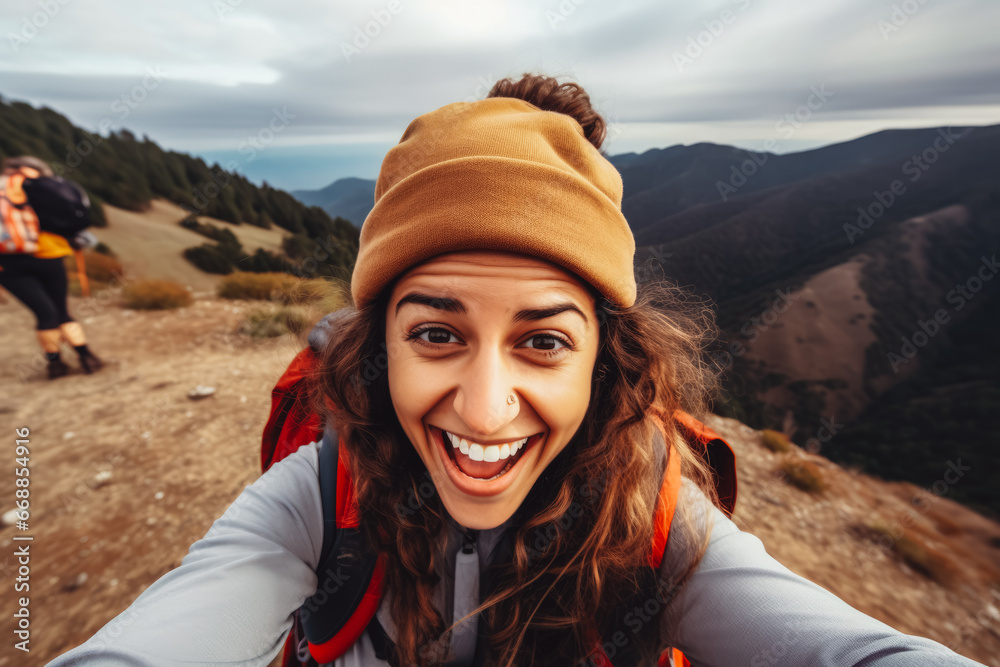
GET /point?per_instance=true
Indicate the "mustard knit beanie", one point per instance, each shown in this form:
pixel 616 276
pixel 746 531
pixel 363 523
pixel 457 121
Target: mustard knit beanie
pixel 497 174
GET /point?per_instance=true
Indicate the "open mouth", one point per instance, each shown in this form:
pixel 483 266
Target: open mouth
pixel 474 465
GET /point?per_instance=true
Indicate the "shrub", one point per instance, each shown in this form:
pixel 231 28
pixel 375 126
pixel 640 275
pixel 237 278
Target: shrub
pixel 803 475
pixel 152 294
pixel 220 234
pixel 103 268
pixel 262 286
pixel 271 323
pixel 262 261
pixel 209 258
pixel 776 441
pixel 923 558
pixel 325 295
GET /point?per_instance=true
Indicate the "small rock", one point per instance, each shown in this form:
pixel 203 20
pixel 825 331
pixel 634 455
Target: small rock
pixel 158 495
pixel 68 434
pixel 200 392
pixel 189 413
pixel 83 540
pixel 9 518
pixel 150 521
pixel 146 435
pixel 243 399
pixel 102 478
pixel 113 583
pixel 80 580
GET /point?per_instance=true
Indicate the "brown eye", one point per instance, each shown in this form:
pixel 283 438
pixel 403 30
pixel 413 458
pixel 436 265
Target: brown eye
pixel 548 343
pixel 435 336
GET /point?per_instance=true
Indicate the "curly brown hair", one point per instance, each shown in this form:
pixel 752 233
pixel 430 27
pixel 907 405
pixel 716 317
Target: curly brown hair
pixel 551 598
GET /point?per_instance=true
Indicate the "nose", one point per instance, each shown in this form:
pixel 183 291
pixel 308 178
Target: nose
pixel 484 386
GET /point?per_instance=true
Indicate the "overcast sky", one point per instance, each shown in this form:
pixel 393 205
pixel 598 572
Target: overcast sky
pixel 206 76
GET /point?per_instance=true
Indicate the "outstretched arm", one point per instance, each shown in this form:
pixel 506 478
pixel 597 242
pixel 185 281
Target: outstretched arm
pixel 742 607
pixel 231 599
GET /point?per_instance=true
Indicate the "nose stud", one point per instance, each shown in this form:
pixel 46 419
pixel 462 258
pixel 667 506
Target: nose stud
pixel 511 399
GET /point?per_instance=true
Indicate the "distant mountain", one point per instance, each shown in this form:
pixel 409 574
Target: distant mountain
pixel 661 182
pixel 349 198
pixel 854 284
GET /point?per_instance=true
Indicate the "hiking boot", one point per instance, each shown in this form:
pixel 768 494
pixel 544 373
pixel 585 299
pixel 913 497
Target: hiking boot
pixel 89 362
pixel 57 368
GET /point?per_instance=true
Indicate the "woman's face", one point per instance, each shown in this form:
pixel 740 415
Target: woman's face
pixel 466 330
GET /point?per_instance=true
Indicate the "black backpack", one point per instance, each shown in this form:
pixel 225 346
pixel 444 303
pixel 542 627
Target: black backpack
pixel 61 205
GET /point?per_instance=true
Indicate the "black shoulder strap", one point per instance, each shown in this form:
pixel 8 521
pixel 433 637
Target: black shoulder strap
pixel 328 451
pixel 345 566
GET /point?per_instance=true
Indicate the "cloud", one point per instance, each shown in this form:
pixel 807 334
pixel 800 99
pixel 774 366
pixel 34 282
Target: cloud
pixel 229 63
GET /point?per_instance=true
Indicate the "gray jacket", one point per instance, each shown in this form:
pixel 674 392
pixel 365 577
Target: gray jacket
pixel 231 600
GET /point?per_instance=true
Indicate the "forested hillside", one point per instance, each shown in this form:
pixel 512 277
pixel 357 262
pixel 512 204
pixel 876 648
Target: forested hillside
pixel 126 172
pixel 919 212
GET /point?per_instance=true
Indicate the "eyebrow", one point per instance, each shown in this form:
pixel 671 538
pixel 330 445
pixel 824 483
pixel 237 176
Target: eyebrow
pixel 455 306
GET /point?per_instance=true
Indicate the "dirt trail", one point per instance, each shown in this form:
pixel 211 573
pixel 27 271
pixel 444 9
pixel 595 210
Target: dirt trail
pixel 175 465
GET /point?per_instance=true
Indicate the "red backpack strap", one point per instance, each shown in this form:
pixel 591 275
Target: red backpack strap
pixel 349 578
pixel 717 453
pixel 667 501
pixel 291 423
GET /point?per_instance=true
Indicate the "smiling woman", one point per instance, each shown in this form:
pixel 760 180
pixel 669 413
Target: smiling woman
pixel 526 482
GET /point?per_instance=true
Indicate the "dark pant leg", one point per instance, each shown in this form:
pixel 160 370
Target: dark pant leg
pixel 52 276
pixel 20 277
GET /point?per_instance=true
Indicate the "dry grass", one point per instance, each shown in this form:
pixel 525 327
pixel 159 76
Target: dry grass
pixel 804 475
pixel 258 286
pixel 103 268
pixel 152 294
pixel 776 441
pixel 269 322
pixel 282 288
pixel 915 552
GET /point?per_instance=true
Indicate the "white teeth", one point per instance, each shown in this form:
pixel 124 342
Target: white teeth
pixel 489 453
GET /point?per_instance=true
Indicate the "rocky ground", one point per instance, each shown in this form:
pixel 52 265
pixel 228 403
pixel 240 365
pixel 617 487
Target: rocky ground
pixel 127 471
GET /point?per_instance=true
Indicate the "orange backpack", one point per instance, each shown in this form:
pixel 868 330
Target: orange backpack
pixel 348 595
pixel 18 222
